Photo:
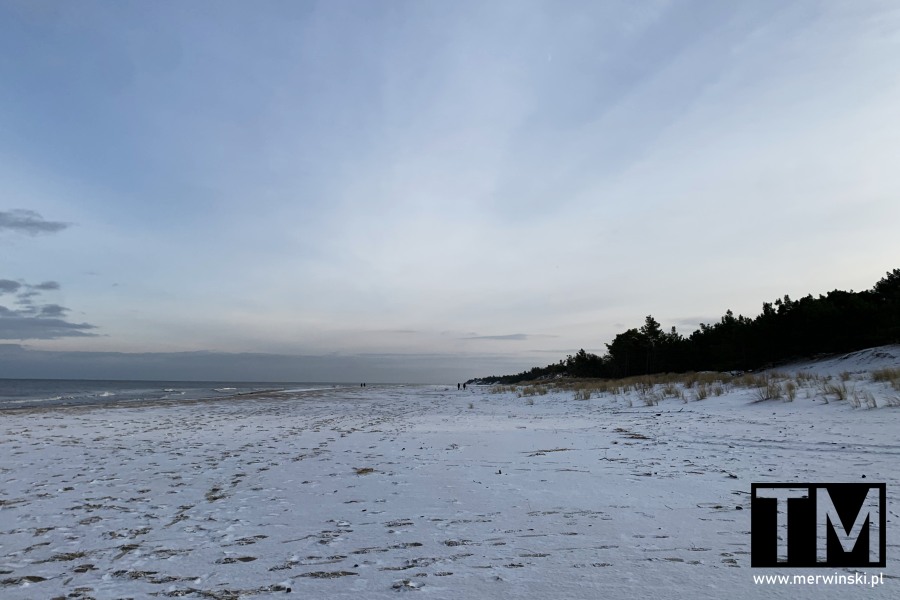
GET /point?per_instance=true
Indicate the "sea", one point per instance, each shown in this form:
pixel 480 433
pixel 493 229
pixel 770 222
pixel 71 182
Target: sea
pixel 37 393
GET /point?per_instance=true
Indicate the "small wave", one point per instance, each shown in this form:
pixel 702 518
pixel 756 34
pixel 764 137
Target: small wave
pixel 307 389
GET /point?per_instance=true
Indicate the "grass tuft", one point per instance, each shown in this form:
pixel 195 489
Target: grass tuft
pixel 768 388
pixel 583 394
pixel 890 376
pixel 790 390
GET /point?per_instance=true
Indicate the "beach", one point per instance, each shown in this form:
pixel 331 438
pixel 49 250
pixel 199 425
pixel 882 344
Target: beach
pixel 428 490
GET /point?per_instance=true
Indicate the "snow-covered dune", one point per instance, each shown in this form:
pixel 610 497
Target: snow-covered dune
pixel 860 362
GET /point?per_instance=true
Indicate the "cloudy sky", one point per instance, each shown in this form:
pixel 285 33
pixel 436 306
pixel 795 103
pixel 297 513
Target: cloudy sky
pixel 423 190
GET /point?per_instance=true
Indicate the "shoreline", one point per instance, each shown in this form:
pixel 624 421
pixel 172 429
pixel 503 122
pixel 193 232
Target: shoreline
pixel 148 402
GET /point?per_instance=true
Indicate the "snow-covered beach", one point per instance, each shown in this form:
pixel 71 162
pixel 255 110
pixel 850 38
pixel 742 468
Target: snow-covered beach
pixel 386 490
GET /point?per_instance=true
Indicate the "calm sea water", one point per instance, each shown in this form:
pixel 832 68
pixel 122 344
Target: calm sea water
pixel 27 393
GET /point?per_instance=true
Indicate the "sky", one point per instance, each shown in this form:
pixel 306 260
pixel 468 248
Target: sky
pixel 427 191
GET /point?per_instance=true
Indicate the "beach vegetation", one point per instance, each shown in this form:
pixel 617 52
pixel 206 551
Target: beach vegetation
pixel 889 376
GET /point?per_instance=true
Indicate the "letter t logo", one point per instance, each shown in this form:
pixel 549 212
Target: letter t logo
pixel 782 495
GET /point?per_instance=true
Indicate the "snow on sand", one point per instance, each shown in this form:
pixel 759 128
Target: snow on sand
pixel 424 490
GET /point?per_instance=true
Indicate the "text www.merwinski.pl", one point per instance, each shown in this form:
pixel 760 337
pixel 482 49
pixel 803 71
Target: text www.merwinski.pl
pixel 861 579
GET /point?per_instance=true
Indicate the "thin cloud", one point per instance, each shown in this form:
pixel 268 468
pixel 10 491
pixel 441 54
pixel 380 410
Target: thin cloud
pixel 511 337
pixel 33 320
pixel 397 331
pixel 25 298
pixel 40 328
pixel 29 222
pixel 8 286
pixel 53 310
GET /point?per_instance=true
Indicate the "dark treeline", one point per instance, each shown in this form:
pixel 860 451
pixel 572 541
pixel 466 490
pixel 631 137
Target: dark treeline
pixel 785 329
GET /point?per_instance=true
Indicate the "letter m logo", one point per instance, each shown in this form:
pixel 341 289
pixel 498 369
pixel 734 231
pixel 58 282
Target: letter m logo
pixel 867 522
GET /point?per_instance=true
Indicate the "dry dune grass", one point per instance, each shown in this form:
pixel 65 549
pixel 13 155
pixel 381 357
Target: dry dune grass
pixel 891 376
pixel 688 387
